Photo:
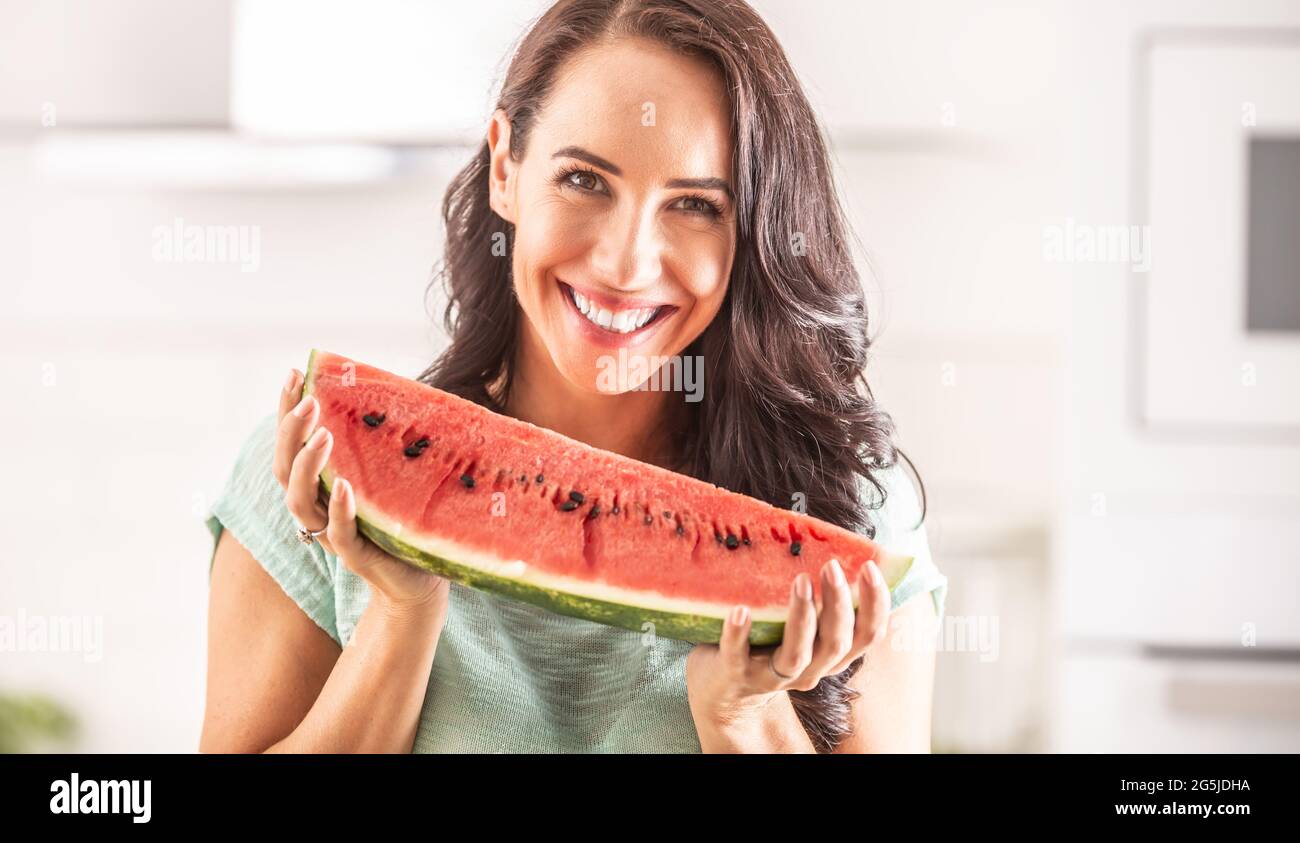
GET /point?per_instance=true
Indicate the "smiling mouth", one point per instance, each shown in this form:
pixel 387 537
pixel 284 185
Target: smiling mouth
pixel 624 321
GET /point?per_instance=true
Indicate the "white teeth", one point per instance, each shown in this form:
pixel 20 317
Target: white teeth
pixel 622 322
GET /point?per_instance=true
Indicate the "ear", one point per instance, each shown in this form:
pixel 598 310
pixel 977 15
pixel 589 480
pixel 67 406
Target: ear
pixel 502 169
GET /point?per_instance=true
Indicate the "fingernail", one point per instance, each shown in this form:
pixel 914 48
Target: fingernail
pixel 878 577
pixel 318 438
pixel 803 587
pixel 835 574
pixel 344 487
pixel 293 379
pixel 304 406
pixel 739 614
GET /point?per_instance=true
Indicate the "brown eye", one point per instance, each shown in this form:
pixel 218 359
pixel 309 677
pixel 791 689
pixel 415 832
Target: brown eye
pixel 584 180
pixel 700 205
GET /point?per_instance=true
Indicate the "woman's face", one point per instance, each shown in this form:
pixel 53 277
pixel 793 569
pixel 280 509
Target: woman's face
pixel 624 220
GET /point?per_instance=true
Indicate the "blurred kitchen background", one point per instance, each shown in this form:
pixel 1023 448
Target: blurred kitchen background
pixel 1080 225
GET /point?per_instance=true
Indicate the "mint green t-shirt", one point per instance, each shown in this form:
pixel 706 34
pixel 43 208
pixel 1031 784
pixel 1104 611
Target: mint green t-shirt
pixel 508 676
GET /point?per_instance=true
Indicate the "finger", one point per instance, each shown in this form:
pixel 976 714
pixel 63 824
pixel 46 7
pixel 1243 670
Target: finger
pixel 290 395
pixel 734 642
pixel 294 429
pixel 304 480
pixel 795 652
pixel 873 612
pixel 835 623
pixel 349 545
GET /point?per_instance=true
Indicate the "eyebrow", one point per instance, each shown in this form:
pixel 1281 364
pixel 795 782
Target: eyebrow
pixel 707 183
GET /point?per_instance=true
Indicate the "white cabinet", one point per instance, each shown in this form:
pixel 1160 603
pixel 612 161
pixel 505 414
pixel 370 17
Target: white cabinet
pixel 1124 702
pixel 1176 544
pixel 381 70
pixel 126 63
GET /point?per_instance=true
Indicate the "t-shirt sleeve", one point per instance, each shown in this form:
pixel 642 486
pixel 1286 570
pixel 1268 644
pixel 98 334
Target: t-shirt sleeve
pixel 898 530
pixel 252 508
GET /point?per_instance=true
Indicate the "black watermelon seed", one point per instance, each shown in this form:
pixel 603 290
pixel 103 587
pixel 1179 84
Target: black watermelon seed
pixel 795 547
pixel 681 531
pixel 614 511
pixel 595 510
pixel 569 506
pixel 541 479
pixel 374 420
pixel 523 478
pixel 718 536
pixel 413 451
pixel 732 542
pixel 649 519
pixel 745 540
pixel 467 481
pixel 577 497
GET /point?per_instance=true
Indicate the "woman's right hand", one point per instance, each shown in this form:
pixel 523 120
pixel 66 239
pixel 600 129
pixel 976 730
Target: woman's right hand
pixel 301 451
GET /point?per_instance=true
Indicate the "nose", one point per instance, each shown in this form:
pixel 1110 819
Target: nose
pixel 628 254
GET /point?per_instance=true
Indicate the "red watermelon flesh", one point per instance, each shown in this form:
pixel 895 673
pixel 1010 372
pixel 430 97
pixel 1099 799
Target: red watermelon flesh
pixel 502 505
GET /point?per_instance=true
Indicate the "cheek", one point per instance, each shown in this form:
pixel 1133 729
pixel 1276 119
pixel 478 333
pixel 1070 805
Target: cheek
pixel 548 234
pixel 705 272
pixel 558 221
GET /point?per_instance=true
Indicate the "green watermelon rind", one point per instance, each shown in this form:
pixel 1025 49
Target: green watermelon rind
pixel 694 628
pixel 682 626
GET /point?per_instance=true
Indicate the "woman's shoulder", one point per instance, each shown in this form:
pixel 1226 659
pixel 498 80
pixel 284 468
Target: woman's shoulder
pixel 897 518
pixel 251 506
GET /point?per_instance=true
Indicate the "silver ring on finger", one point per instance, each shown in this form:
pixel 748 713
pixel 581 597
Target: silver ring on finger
pixel 772 667
pixel 309 536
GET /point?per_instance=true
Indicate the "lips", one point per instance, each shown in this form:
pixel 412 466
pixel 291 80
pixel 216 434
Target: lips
pixel 612 316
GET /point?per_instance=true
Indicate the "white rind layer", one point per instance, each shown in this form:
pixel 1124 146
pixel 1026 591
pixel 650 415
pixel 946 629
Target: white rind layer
pixel 893 568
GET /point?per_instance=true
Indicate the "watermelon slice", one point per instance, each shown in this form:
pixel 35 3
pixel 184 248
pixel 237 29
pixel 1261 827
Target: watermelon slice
pixel 498 504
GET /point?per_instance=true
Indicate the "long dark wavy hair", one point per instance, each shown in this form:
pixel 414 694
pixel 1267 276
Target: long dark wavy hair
pixel 788 408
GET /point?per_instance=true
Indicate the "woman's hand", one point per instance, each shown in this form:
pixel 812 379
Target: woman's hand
pixel 301 451
pixel 732 688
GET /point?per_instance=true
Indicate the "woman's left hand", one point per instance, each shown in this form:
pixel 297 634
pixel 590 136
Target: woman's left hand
pixel 728 683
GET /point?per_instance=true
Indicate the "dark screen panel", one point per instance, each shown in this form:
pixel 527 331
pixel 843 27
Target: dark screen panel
pixel 1273 238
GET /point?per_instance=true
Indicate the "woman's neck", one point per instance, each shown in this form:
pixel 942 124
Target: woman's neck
pixel 637 424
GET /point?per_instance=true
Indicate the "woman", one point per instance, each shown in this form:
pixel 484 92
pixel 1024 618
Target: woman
pixel 653 183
